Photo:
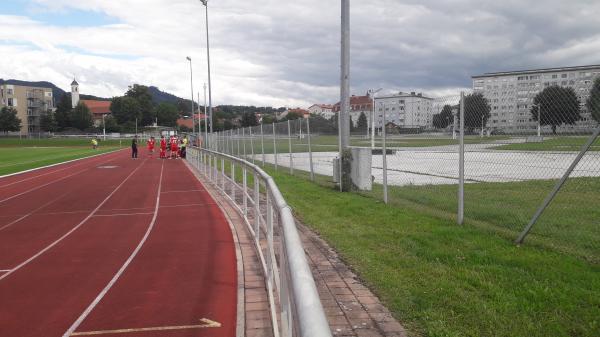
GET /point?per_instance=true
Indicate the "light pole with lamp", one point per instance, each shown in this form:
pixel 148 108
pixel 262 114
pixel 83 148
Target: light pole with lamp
pixel 205 3
pixel 192 87
pixel 373 92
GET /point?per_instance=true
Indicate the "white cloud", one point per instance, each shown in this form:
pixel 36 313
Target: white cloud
pixel 284 52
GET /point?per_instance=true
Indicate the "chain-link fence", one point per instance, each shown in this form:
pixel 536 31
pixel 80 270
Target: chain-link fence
pixel 496 171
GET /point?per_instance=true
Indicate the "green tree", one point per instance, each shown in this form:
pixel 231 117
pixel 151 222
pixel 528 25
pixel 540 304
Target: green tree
pixel 63 110
pixel 268 119
pixel 81 117
pixel 126 109
pixel 142 96
pixel 9 120
pixel 362 124
pixel 444 118
pixel 228 124
pixel 111 125
pixel 477 111
pixel 48 122
pixel 556 106
pixel 291 116
pixel 167 114
pixel 593 102
pixel 249 119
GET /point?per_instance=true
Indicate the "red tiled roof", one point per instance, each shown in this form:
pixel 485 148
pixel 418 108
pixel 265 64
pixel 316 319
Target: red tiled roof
pixel 356 102
pixel 97 107
pixel 189 123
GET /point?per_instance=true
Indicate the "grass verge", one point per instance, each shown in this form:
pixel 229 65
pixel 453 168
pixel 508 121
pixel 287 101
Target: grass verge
pixel 440 279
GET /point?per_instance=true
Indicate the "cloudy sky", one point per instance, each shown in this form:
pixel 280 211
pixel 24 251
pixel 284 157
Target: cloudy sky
pixel 286 52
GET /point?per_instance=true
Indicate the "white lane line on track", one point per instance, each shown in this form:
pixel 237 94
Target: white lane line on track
pixel 73 229
pixel 30 213
pixel 52 165
pixel 104 291
pixel 122 214
pixel 49 183
pixel 5 270
pixel 187 191
pixel 189 205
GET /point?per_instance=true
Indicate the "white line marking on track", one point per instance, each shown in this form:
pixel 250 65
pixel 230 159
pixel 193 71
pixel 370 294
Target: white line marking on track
pixel 30 213
pixel 72 230
pixel 49 183
pixel 104 291
pixel 122 214
pixel 206 323
pixel 182 191
pixel 52 165
pixel 189 205
pixel 5 270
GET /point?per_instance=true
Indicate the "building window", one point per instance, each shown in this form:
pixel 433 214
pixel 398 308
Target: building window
pixel 9 91
pixel 554 76
pixel 10 101
pixel 563 76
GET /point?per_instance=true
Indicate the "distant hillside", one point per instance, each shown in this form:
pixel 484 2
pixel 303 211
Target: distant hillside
pixel 56 91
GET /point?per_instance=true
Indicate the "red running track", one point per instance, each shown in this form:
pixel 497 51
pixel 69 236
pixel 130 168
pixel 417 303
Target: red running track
pixel 114 247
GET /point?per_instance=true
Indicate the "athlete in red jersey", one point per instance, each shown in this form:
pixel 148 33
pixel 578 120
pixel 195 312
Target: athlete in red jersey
pixel 163 147
pixel 150 144
pixel 174 147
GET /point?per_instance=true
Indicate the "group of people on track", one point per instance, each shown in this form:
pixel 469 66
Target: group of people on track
pixel 172 148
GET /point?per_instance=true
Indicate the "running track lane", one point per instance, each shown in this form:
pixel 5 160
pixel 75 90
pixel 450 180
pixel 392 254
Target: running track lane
pixel 184 271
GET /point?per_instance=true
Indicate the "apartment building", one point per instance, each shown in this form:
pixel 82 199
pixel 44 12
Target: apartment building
pixel 406 110
pixel 510 95
pixel 30 103
pixel 358 106
pixel 325 110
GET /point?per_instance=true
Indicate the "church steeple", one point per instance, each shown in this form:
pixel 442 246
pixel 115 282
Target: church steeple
pixel 74 93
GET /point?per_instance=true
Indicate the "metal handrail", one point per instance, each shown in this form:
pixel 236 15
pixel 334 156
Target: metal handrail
pixel 300 307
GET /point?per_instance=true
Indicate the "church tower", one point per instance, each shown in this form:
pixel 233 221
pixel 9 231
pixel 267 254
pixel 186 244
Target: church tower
pixel 74 93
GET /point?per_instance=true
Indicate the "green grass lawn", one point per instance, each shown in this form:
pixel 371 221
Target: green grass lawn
pixel 19 155
pixel 442 279
pixel 553 144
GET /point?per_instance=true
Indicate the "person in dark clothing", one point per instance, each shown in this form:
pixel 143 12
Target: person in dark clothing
pixel 134 150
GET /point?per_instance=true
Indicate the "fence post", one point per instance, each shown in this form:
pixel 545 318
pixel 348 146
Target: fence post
pixel 245 192
pixel 384 140
pixel 251 145
pixel 233 181
pixel 461 163
pixel 290 147
pixel 238 143
pixel 223 175
pixel 262 144
pixel 274 147
pixel 231 141
pixel 584 149
pixel 257 207
pixel 310 156
pixel 244 141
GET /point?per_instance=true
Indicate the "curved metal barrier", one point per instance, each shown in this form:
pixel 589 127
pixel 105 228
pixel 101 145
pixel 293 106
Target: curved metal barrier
pixel 294 301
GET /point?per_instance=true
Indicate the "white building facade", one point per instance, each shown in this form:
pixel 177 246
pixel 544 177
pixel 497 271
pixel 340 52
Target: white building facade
pixel 511 94
pixel 324 110
pixel 406 110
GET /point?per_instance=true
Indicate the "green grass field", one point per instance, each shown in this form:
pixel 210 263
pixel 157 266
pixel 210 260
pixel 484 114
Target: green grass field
pixel 553 144
pixel 441 279
pixel 19 155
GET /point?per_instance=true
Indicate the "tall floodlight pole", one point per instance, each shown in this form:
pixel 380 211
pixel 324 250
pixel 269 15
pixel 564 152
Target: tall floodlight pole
pixel 192 90
pixel 343 120
pixel 205 3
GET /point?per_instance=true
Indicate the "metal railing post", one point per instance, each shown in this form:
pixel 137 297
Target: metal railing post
pixel 262 144
pixel 251 144
pixel 245 192
pixel 461 163
pixel 238 143
pixel 233 180
pixel 290 147
pixel 310 156
pixel 231 142
pixel 274 147
pixel 223 174
pixel 257 208
pixel 244 141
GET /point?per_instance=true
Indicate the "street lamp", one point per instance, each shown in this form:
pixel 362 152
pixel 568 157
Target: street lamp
pixel 205 3
pixel 373 92
pixel 192 87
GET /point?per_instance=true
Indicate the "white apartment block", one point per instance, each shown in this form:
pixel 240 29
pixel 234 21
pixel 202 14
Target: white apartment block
pixel 510 95
pixel 324 110
pixel 30 102
pixel 406 110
